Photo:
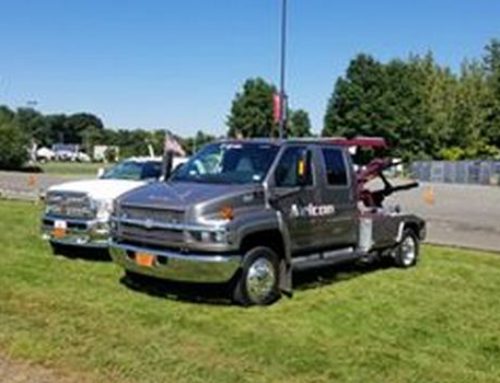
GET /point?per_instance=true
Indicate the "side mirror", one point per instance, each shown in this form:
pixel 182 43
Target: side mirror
pixel 100 172
pixel 304 168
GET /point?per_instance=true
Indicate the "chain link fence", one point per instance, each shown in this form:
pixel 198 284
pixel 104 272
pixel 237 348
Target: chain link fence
pixel 459 172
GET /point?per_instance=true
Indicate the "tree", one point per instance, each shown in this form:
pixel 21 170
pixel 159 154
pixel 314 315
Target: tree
pixel 133 142
pixel 91 136
pixel 56 128
pixel 13 144
pixel 466 138
pixel 433 89
pixel 410 103
pixel 299 124
pixel 33 124
pixel 373 100
pixel 252 111
pixel 193 144
pixel 491 62
pixel 6 114
pixel 76 125
pixel 352 109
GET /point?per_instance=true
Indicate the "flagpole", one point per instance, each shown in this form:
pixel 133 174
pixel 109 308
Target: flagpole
pixel 283 98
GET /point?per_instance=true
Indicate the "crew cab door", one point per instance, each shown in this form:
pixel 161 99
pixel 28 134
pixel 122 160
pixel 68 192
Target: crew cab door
pixel 290 195
pixel 338 189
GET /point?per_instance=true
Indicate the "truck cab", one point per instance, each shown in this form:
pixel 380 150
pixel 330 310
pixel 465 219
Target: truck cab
pixel 250 212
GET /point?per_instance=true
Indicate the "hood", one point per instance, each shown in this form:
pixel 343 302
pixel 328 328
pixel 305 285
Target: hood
pixel 98 189
pixel 180 195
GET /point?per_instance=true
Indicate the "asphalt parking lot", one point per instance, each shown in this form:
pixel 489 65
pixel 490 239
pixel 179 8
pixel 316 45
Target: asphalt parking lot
pixel 461 215
pixel 27 185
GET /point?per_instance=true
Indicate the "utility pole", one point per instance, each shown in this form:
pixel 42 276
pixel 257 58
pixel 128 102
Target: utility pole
pixel 283 97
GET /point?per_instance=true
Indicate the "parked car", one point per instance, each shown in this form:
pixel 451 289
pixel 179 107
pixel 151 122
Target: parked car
pixel 45 154
pixel 77 213
pixel 249 212
pixel 81 157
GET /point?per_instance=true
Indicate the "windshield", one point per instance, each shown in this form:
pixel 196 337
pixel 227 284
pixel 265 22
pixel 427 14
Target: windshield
pixel 229 163
pixel 131 170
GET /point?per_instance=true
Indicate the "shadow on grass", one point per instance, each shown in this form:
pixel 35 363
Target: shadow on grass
pixel 220 294
pixel 310 279
pixel 82 253
pixel 208 293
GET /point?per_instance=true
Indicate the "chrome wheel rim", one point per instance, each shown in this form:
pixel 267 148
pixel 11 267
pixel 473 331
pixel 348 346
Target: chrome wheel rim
pixel 408 251
pixel 260 280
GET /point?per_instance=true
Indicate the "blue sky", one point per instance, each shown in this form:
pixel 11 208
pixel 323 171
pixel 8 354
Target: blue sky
pixel 177 64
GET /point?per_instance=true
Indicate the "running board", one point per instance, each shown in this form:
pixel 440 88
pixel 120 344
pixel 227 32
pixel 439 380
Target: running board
pixel 326 258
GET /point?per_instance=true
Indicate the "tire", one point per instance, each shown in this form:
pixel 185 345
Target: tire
pixel 408 250
pixel 258 282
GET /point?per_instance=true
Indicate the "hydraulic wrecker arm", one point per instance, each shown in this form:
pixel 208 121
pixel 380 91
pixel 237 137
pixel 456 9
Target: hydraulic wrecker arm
pixel 375 169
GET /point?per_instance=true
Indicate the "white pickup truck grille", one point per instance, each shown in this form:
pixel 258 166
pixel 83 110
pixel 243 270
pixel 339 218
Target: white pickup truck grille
pixel 69 205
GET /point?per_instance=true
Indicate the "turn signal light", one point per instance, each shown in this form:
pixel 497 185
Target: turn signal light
pixel 227 213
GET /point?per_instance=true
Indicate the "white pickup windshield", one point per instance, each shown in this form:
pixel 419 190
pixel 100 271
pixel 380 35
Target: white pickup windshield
pixel 132 170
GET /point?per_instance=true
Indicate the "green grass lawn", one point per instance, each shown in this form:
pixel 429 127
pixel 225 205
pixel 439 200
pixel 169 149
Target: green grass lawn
pixel 71 168
pixel 439 322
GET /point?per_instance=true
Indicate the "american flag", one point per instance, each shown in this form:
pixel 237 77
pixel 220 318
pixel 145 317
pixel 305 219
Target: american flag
pixel 172 145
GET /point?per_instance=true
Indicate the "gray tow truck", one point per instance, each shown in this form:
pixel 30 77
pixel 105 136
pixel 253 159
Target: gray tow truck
pixel 250 212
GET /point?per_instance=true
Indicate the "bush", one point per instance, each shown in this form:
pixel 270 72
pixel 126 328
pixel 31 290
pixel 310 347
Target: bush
pixel 13 146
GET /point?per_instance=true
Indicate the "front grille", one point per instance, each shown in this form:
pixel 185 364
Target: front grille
pixel 69 205
pixel 154 236
pixel 158 215
pixel 137 224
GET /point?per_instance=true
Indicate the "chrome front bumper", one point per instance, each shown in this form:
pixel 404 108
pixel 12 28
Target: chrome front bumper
pixel 84 233
pixel 176 266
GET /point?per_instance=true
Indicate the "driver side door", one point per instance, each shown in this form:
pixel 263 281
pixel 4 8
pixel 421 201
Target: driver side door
pixel 293 195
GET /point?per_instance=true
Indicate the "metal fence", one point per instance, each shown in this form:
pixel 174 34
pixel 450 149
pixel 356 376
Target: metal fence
pixel 460 172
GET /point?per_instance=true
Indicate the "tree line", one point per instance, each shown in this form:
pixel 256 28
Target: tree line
pixel 20 128
pixel 422 108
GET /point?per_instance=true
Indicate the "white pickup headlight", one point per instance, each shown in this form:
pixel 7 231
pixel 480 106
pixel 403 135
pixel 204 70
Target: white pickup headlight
pixel 103 208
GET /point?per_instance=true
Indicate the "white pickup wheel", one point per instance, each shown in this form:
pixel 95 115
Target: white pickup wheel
pixel 259 280
pixel 408 250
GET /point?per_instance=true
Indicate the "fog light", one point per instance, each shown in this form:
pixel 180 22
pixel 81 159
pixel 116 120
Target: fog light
pixel 82 240
pixel 220 236
pixel 205 236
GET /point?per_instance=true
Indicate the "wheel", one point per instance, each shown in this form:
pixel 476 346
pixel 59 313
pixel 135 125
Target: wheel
pixel 408 250
pixel 258 283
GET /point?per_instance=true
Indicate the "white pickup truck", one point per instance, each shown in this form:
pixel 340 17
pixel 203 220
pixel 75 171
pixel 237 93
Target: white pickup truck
pixel 77 213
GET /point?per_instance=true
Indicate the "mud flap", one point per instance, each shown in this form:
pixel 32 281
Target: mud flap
pixel 286 285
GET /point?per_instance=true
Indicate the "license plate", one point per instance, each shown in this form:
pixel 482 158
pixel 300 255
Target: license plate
pixel 60 228
pixel 144 259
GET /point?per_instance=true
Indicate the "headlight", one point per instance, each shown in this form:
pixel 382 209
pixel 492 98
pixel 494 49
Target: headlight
pixel 103 208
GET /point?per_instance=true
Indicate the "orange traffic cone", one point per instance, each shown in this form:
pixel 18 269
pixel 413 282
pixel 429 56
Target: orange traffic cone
pixel 32 181
pixel 429 196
